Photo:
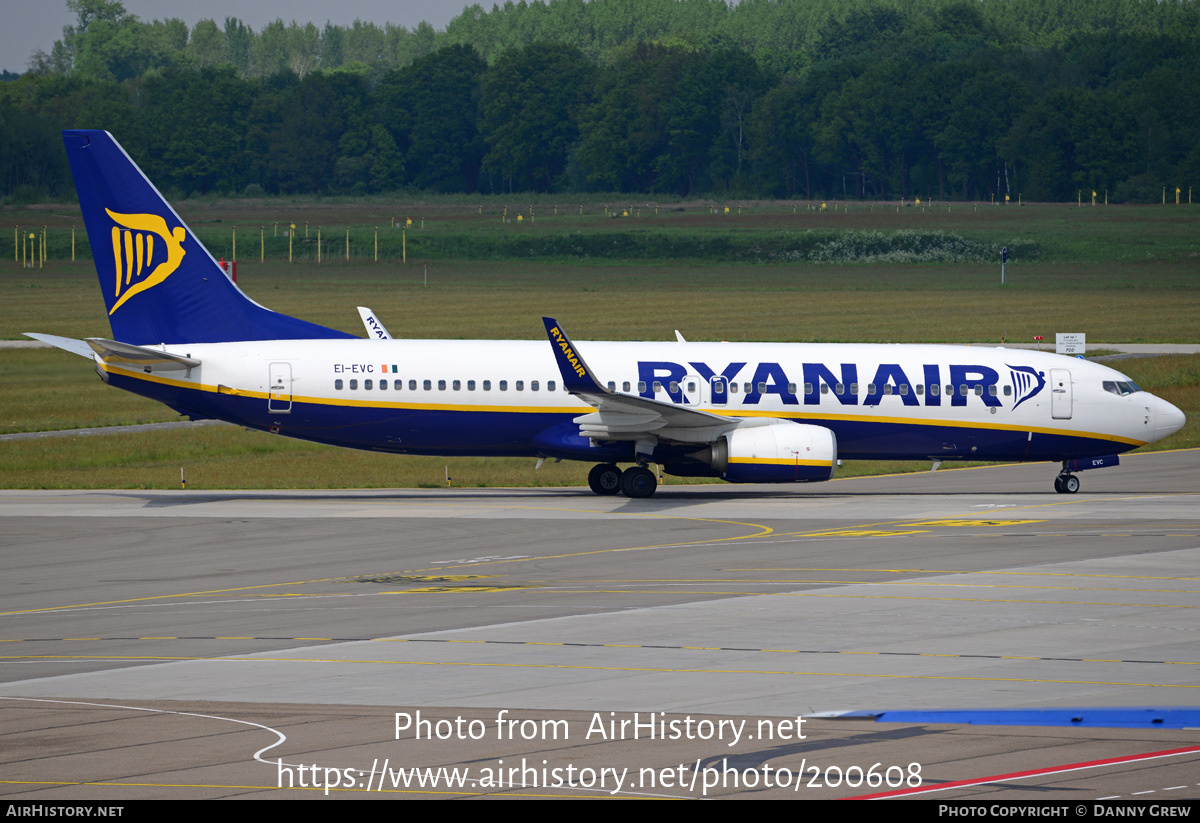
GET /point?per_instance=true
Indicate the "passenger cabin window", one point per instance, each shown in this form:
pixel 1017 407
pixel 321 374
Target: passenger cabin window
pixel 791 388
pixel 808 388
pixel 337 384
pixel 503 385
pixel 824 388
pixel 920 387
pixel 412 385
pixel 533 385
pixel 657 386
pixel 612 385
pixel 887 388
pixel 1007 391
pixel 441 385
pixel 368 385
pixel 487 385
pixel 353 385
pixel 625 386
pixel 839 388
pixel 935 389
pixel 641 385
pixel 470 385
pixel 903 389
pixel 733 388
pixel 549 385
pixel 428 385
pixel 383 385
pixel 457 384
pixel 854 389
pixel 520 385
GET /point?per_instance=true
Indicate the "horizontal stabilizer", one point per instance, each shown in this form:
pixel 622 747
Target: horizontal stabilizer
pixel 79 347
pixel 139 357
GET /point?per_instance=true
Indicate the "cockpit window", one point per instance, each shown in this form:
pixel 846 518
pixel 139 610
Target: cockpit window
pixel 1120 387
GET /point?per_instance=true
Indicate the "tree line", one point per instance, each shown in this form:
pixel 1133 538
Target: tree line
pixel 941 99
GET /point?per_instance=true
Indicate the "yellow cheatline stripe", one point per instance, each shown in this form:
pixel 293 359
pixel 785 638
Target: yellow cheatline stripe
pixel 643 669
pixel 782 414
pixel 781 461
pixel 335 401
pixel 958 424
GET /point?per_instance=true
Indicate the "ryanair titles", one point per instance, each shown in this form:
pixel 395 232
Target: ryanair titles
pixel 567 352
pixel 841 383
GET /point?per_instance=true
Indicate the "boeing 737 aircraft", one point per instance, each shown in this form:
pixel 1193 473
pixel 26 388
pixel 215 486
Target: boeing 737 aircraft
pixel 186 336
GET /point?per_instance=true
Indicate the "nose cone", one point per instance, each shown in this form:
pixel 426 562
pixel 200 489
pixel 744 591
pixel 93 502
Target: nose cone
pixel 1168 419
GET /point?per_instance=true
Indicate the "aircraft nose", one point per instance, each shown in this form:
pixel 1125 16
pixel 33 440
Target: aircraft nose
pixel 1168 419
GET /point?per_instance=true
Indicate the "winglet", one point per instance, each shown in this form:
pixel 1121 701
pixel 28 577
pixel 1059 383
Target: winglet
pixel 577 377
pixel 375 329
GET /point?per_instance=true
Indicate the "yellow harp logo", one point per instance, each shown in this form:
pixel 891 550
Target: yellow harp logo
pixel 133 252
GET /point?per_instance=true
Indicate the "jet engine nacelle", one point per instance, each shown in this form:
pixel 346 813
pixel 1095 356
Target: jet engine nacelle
pixel 777 453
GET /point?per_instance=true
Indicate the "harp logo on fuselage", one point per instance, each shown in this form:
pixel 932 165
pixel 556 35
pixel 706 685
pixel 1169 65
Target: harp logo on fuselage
pixel 134 252
pixel 1026 382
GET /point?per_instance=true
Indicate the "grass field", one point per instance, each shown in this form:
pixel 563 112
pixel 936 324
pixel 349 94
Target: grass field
pixel 1122 274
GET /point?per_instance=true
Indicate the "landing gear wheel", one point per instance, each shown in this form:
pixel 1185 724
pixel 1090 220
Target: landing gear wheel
pixel 605 479
pixel 638 482
pixel 1066 484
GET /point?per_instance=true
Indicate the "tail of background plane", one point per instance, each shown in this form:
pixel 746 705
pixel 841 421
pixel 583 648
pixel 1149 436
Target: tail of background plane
pixel 159 282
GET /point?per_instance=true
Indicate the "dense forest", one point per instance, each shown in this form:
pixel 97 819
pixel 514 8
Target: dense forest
pixel 875 99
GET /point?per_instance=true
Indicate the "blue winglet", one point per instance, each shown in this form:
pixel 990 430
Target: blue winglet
pixel 577 377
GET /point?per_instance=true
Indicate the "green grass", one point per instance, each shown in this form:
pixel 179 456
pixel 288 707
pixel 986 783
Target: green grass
pixel 844 303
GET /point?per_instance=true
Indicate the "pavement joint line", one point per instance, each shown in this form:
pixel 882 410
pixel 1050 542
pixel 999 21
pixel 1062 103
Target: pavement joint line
pixel 655 647
pixel 595 668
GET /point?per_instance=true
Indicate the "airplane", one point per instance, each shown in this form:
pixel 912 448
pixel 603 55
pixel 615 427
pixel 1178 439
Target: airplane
pixel 186 336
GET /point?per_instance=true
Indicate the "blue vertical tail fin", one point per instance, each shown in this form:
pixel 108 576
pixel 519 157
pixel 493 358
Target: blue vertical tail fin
pixel 160 284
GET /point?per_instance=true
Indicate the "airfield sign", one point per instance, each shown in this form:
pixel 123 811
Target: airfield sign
pixel 1069 343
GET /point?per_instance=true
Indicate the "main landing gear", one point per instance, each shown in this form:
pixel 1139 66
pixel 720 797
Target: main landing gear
pixel 1066 483
pixel 636 481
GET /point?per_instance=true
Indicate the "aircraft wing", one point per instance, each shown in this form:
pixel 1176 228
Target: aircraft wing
pixel 626 416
